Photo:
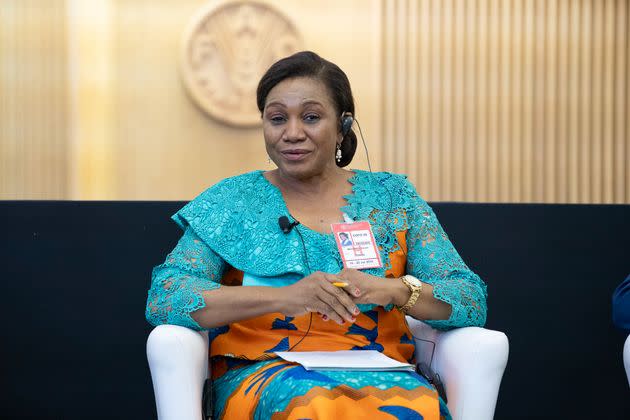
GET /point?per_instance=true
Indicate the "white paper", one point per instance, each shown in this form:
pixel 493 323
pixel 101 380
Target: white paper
pixel 366 360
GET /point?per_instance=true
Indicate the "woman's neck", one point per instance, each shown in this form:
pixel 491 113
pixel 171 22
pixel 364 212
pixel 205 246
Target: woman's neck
pixel 311 187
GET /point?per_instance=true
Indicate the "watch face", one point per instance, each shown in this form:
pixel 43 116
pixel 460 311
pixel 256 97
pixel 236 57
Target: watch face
pixel 414 281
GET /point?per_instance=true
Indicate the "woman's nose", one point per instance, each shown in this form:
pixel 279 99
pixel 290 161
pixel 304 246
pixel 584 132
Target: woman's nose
pixel 295 130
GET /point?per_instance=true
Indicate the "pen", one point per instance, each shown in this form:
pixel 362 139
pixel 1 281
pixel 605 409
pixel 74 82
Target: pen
pixel 340 284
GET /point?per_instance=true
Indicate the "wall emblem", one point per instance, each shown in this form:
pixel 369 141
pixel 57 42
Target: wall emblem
pixel 226 49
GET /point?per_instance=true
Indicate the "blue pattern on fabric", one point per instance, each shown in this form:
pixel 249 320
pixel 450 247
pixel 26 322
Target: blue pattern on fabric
pixel 370 335
pixel 405 339
pixel 298 372
pixel 444 409
pixel 235 223
pixel 401 413
pixel 215 332
pixel 263 377
pixel 284 387
pixel 291 382
pixel 283 345
pixel 283 324
pixel 227 384
pixel 294 381
pixel 373 315
pixel 371 346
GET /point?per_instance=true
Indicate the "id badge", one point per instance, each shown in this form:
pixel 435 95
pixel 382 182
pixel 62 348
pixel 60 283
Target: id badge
pixel 356 245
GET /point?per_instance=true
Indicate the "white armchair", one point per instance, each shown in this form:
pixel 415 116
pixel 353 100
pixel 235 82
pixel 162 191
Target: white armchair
pixel 469 360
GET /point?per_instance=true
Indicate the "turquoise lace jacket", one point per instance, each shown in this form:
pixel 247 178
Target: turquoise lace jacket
pixel 235 223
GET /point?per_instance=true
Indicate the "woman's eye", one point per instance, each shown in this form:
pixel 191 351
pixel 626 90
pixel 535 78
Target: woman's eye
pixel 311 117
pixel 276 119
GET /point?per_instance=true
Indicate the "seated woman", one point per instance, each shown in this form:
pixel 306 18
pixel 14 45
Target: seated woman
pixel 257 262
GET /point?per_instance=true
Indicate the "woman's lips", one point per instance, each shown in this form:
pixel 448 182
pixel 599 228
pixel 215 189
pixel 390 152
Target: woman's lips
pixel 295 154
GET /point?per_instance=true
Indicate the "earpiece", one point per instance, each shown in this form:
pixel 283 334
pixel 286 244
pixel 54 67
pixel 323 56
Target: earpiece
pixel 346 124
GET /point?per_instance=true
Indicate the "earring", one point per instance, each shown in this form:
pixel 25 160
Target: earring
pixel 338 153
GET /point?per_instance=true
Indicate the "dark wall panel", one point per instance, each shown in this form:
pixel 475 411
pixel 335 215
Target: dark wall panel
pixel 75 276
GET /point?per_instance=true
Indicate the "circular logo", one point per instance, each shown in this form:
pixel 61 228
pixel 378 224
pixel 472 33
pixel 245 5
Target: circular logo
pixel 226 49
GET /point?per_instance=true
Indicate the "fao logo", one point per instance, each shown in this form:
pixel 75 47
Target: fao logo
pixel 226 49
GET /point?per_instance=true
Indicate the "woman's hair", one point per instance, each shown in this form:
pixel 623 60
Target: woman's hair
pixel 309 64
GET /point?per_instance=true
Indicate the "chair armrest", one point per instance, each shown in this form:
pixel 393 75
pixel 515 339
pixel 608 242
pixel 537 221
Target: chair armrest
pixel 470 361
pixel 178 359
pixel 626 357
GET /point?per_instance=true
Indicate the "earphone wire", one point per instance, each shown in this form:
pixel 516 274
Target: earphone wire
pixel 367 155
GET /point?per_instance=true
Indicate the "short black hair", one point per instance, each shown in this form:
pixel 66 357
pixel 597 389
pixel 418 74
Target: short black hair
pixel 309 64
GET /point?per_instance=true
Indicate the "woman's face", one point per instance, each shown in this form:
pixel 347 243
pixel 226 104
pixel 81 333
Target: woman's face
pixel 301 127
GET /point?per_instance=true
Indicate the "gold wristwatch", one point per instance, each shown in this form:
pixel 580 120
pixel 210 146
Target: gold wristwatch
pixel 415 286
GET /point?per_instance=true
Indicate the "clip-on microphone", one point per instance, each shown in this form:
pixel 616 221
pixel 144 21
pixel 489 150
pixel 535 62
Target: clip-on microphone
pixel 285 225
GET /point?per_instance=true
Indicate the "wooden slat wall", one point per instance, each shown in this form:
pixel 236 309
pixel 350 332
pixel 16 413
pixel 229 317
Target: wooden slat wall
pixel 508 100
pixel 33 100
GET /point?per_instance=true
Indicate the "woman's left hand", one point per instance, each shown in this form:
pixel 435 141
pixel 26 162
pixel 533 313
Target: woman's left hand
pixel 366 288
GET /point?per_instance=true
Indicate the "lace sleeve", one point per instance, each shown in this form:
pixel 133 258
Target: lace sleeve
pixel 433 259
pixel 176 287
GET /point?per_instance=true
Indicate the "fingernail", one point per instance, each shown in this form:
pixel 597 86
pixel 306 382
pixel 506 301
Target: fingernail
pixel 357 292
pixel 356 310
pixel 325 317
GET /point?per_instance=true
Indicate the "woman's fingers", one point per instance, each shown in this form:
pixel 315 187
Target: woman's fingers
pixel 349 285
pixel 339 300
pixel 321 295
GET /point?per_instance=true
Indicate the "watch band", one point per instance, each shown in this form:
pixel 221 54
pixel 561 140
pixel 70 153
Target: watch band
pixel 415 294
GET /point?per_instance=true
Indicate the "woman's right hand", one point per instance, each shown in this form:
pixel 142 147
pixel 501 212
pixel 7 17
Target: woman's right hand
pixel 316 293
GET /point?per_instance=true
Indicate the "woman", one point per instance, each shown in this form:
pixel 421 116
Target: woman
pixel 258 259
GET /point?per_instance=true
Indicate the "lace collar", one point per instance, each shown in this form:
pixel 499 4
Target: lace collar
pixel 238 219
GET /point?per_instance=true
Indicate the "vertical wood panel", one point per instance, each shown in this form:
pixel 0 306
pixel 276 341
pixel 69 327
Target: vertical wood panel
pixel 412 110
pixel 506 108
pixel 388 85
pixel 528 101
pixel 422 178
pixel 519 100
pixel 402 81
pixel 481 111
pixel 622 114
pixel 515 132
pixel 559 165
pixel 447 116
pixel 470 99
pixel 573 120
pixel 585 101
pixel 597 100
pixel 608 114
pixel 33 100
pixel 458 97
